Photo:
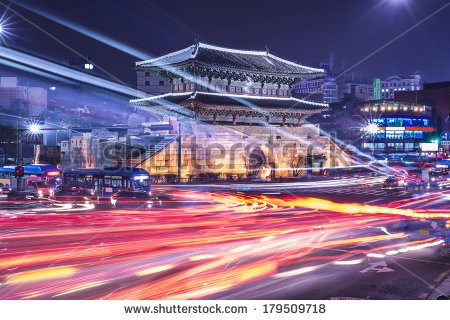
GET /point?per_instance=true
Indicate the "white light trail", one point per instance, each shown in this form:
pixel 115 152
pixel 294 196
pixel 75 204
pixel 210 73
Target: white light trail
pixel 47 66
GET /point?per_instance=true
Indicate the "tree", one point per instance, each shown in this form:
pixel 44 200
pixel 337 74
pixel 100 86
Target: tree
pixel 296 163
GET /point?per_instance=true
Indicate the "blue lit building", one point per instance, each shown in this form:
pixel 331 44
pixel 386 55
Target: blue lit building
pixel 396 126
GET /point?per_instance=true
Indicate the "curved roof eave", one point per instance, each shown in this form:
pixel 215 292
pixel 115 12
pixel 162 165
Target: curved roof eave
pixel 185 55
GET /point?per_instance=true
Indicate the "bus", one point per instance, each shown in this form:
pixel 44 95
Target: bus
pixel 40 172
pixel 104 182
pixel 39 179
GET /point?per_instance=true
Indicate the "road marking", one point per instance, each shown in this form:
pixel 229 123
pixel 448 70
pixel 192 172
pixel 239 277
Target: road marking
pixel 423 295
pixel 421 260
pixel 379 266
pixel 442 276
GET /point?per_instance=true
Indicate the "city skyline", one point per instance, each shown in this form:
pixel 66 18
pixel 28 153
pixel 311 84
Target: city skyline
pixel 370 38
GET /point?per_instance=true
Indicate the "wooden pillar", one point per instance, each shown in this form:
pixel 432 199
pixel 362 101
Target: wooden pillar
pixel 234 119
pixel 267 119
pixel 284 121
pixel 214 118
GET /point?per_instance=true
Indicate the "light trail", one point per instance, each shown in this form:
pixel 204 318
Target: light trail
pixel 217 242
pixel 19 59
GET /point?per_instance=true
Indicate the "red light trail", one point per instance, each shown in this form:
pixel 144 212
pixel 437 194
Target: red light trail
pixel 217 242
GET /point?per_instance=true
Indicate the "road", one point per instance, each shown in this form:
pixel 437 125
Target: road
pixel 339 239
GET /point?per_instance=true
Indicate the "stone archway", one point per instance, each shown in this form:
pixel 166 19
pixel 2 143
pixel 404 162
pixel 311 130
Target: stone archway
pixel 256 160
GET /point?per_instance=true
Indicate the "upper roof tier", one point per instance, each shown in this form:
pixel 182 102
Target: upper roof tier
pixel 205 55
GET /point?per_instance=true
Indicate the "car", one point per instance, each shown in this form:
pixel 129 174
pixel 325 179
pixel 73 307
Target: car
pixel 4 188
pixel 379 159
pixel 415 183
pixel 445 247
pixel 393 182
pixel 132 199
pixel 40 189
pixel 73 194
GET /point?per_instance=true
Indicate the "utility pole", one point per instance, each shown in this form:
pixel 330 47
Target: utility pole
pixel 179 152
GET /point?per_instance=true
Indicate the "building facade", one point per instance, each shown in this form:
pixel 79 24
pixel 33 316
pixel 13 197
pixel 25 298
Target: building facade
pixel 359 91
pixel 396 127
pixel 245 117
pixel 392 85
pixel 325 87
pixel 153 83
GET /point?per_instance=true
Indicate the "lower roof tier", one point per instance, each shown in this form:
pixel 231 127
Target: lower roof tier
pixel 196 104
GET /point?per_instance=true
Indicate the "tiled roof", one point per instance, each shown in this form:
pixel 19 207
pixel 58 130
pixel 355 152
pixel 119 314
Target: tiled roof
pixel 231 99
pixel 242 60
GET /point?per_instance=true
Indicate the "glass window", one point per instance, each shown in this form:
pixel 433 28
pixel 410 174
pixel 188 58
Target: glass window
pixel 391 122
pixel 418 135
pixel 116 183
pixel 407 122
pixel 379 146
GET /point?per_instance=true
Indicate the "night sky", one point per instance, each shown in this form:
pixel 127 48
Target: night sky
pixel 341 31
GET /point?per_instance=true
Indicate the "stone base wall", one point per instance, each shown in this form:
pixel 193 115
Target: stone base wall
pixel 233 150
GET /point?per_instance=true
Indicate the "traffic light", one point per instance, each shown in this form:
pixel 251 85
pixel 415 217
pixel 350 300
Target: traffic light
pixel 19 171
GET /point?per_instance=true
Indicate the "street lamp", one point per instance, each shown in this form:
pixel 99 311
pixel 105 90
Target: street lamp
pixel 371 128
pixel 34 128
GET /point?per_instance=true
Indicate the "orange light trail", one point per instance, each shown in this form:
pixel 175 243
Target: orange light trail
pixel 217 242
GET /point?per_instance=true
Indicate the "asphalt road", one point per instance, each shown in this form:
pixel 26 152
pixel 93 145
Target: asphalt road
pixel 259 241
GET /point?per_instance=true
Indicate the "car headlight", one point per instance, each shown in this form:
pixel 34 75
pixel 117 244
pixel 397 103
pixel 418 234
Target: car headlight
pixel 401 182
pixel 39 192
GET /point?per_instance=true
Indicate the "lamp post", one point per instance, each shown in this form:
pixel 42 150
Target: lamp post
pixel 34 129
pixel 179 152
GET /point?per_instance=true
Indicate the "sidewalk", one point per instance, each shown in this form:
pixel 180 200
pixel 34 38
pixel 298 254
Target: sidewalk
pixel 442 289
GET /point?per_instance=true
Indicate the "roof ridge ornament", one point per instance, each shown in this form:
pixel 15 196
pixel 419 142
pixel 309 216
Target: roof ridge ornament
pixel 196 46
pixel 267 50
